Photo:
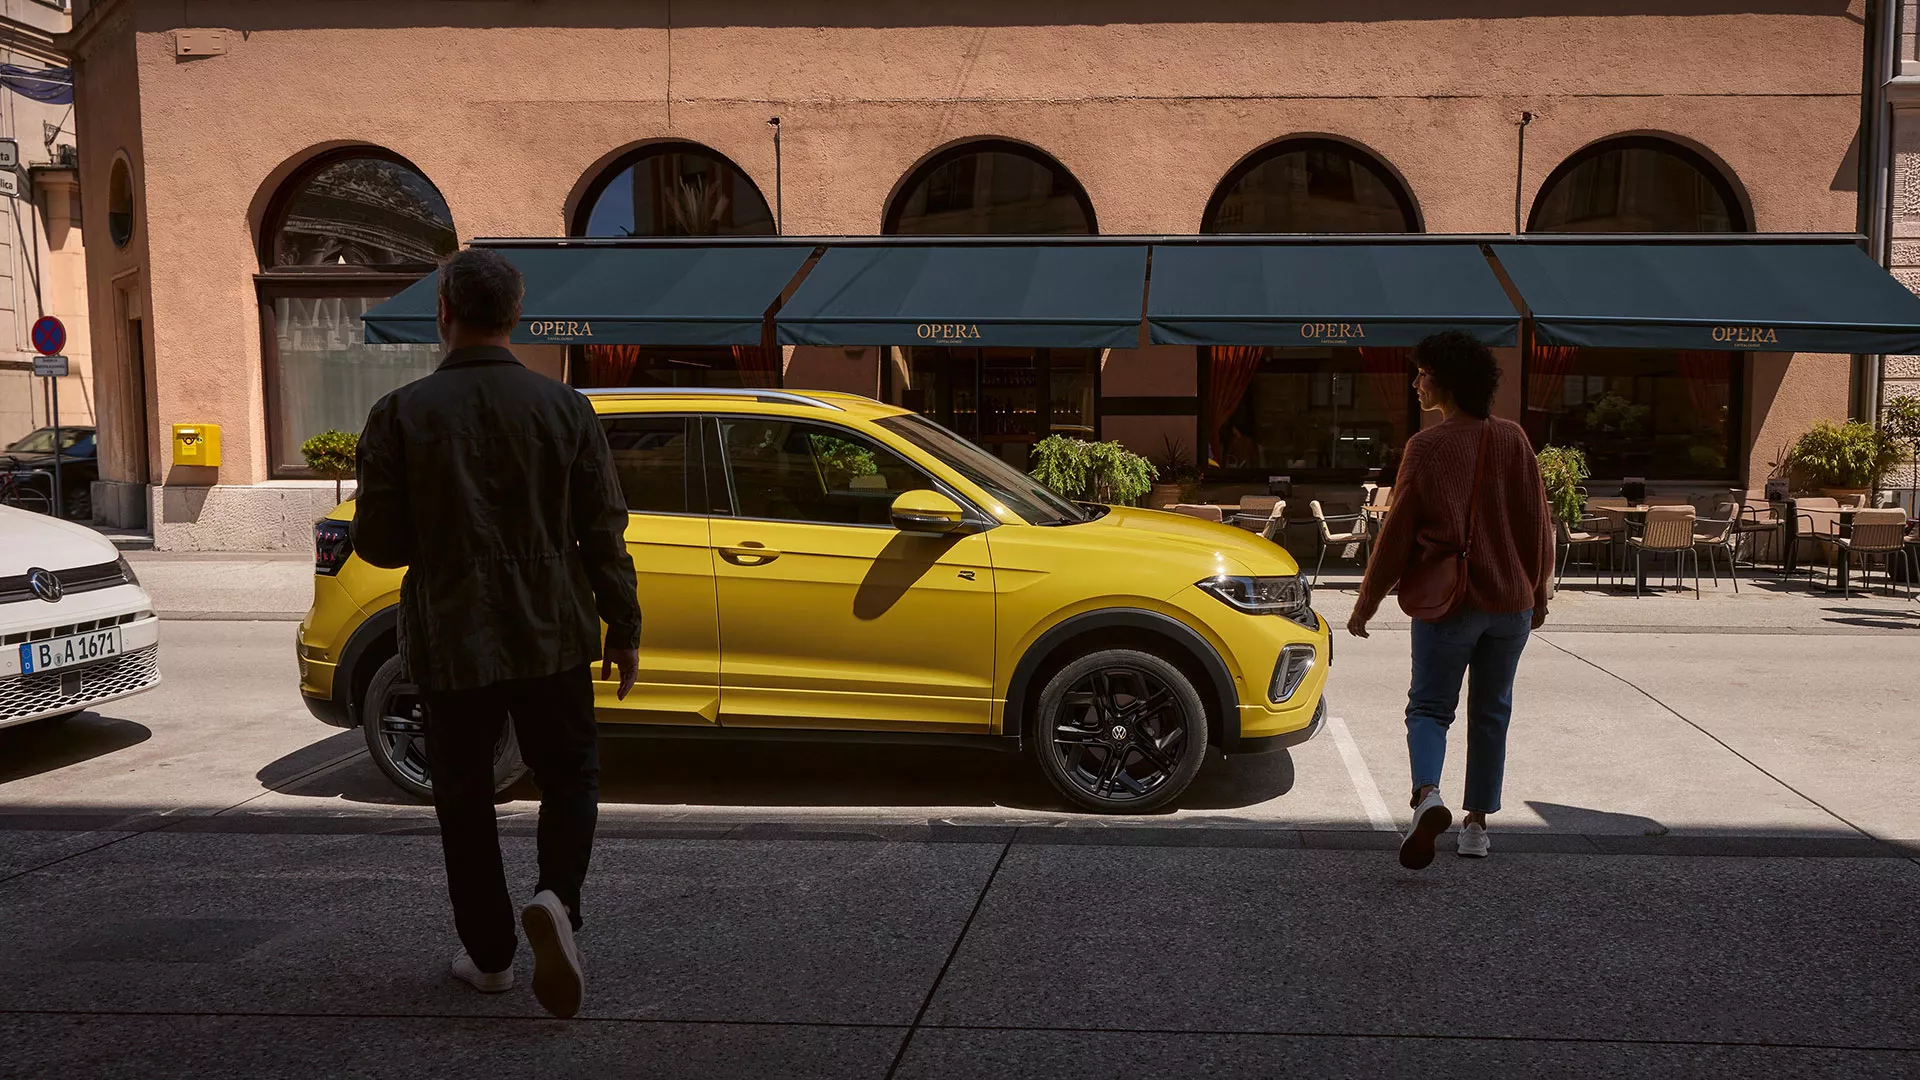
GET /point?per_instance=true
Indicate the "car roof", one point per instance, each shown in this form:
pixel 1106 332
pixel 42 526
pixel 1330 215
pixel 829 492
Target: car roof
pixel 825 404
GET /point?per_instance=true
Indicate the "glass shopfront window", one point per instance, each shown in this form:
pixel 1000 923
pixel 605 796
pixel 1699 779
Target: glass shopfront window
pixel 680 365
pixel 324 375
pixel 1003 399
pixel 1306 413
pixel 1658 414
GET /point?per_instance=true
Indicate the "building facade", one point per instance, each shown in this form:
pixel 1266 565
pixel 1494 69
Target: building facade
pixel 270 172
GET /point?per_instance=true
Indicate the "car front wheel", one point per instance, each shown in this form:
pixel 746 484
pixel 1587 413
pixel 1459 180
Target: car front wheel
pixel 1120 731
pixel 394 719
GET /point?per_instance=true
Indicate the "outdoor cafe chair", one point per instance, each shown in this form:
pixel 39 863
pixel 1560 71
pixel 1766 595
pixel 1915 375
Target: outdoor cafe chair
pixel 1668 531
pixel 1253 512
pixel 1275 528
pixel 1354 532
pixel 1203 511
pixel 1716 534
pixel 1591 532
pixel 1881 533
pixel 1757 518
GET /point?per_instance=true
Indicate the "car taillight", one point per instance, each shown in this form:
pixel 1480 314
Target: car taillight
pixel 332 543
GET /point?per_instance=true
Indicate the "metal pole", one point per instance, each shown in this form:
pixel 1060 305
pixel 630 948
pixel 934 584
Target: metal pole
pixel 1520 172
pixel 59 495
pixel 779 214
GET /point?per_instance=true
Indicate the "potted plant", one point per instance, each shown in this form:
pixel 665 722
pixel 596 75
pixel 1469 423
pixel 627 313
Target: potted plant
pixel 1900 419
pixel 332 454
pixel 1179 479
pixel 1843 459
pixel 1103 472
pixel 1563 469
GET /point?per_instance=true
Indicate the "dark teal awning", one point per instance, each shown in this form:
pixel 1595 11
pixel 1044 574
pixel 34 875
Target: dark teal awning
pixel 970 294
pixel 621 296
pixel 1755 296
pixel 1325 294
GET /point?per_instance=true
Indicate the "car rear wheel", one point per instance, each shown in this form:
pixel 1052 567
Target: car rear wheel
pixel 1120 731
pixel 395 723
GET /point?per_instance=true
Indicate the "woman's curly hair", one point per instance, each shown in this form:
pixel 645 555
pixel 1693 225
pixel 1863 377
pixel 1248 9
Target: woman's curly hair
pixel 1463 367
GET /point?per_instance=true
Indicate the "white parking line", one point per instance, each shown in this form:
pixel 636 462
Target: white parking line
pixel 1363 784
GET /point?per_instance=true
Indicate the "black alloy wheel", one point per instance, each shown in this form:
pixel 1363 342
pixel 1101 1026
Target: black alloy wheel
pixel 394 720
pixel 1120 731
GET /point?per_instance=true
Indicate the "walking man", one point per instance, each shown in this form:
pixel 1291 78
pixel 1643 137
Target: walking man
pixel 494 487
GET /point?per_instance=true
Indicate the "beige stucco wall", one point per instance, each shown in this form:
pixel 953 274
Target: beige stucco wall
pixel 1149 104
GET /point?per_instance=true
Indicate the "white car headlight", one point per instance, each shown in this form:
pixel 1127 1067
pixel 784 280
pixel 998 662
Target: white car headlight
pixel 1290 597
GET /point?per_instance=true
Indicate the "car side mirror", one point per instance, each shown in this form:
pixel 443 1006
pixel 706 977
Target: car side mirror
pixel 928 513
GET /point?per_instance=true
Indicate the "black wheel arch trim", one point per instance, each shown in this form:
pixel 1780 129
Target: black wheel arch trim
pixel 1219 693
pixel 359 651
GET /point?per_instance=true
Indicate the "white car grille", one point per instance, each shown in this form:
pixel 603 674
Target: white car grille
pixel 45 692
pixel 46 632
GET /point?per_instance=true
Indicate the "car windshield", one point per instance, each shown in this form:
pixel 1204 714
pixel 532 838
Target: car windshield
pixel 41 441
pixel 1016 490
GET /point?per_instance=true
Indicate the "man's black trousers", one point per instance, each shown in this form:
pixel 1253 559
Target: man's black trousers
pixel 552 717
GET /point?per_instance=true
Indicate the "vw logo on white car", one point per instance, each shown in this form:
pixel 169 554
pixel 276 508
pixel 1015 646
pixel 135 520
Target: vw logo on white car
pixel 44 584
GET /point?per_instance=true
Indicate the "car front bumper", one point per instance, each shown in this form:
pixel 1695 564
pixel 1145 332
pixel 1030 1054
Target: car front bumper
pixel 24 698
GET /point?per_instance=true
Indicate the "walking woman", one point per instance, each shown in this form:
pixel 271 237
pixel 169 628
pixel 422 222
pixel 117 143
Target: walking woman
pixel 1469 541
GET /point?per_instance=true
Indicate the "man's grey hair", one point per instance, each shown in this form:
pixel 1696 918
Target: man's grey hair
pixel 482 290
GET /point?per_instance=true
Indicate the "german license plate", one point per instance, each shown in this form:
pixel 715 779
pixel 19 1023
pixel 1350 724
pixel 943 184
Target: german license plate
pixel 69 651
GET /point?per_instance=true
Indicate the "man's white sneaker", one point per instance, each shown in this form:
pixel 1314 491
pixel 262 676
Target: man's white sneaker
pixel 1473 843
pixel 558 981
pixel 1430 819
pixel 468 972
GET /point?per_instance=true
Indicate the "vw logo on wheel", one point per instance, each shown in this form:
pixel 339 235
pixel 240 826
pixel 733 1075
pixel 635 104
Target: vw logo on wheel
pixel 1119 733
pixel 44 584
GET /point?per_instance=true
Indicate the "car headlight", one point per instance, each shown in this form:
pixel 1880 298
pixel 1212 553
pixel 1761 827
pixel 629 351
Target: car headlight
pixel 126 572
pixel 1291 596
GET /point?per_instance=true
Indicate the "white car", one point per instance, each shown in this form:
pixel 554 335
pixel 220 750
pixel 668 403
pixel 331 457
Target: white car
pixel 76 628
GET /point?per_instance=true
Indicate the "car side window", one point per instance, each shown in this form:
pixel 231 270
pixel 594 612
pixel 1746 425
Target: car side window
pixel 650 458
pixel 786 470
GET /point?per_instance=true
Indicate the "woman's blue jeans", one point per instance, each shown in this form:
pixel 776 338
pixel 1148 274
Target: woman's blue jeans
pixel 1488 647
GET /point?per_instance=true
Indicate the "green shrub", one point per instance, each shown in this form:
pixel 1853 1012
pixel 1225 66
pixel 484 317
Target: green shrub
pixel 332 454
pixel 1563 469
pixel 1849 455
pixel 1104 472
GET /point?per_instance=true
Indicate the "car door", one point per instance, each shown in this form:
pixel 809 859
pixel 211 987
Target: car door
pixel 830 617
pixel 659 463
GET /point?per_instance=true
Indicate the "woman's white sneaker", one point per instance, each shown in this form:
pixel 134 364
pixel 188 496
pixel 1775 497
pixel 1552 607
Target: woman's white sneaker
pixel 494 982
pixel 1430 819
pixel 1473 843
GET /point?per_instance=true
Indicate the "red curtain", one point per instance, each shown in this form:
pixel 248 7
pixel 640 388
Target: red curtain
pixel 759 365
pixel 1386 372
pixel 1230 372
pixel 1705 373
pixel 1547 374
pixel 610 365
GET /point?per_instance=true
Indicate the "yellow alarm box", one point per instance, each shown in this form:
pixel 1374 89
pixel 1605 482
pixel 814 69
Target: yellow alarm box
pixel 196 444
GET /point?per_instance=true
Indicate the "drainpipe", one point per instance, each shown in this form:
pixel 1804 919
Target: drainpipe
pixel 779 216
pixel 1520 173
pixel 1882 33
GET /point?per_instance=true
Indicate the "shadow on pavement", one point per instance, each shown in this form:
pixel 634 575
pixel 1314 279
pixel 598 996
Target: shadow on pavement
pixel 679 772
pixel 46 745
pixel 1580 819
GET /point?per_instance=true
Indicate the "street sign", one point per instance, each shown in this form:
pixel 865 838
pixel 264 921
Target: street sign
pixel 49 334
pixel 9 183
pixel 52 367
pixel 9 154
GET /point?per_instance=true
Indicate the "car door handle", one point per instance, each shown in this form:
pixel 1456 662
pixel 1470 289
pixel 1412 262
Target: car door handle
pixel 749 554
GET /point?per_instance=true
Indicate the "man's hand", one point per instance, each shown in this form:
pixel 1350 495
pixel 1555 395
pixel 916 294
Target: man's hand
pixel 1539 616
pixel 628 661
pixel 1357 622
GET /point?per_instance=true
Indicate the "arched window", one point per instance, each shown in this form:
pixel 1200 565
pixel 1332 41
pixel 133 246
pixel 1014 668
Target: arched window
pixel 346 231
pixel 990 187
pixel 1653 413
pixel 673 189
pixel 1323 412
pixel 1310 186
pixel 1637 185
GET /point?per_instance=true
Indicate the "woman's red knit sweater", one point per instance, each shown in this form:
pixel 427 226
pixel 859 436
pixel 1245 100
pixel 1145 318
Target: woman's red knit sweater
pixel 1511 566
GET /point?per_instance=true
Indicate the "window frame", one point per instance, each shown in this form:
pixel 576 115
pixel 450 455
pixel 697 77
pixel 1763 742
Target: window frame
pixel 693 469
pixel 1222 474
pixel 1737 216
pixel 1373 163
pixel 596 188
pixel 896 203
pixel 1739 448
pixel 725 465
pixel 275 217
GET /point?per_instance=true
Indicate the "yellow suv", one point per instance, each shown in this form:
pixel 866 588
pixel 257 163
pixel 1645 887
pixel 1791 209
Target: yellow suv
pixel 825 564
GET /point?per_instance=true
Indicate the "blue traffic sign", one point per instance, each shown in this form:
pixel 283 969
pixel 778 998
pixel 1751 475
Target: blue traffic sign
pixel 49 335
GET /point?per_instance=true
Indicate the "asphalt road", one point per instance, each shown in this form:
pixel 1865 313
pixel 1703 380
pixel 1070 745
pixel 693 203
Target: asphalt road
pixel 1705 867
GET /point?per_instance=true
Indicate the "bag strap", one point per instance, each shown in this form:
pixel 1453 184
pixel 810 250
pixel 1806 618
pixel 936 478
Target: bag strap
pixel 1479 470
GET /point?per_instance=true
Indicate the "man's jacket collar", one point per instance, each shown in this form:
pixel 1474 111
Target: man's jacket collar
pixel 477 354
